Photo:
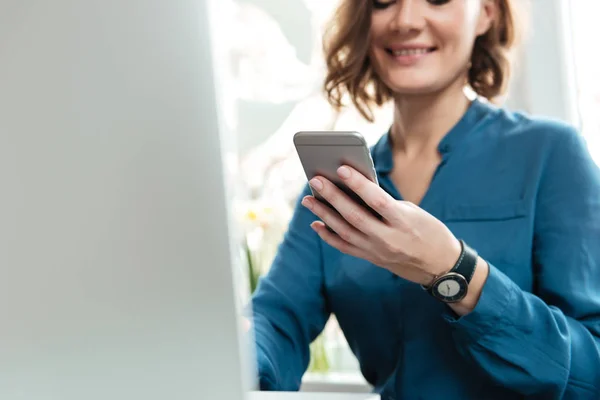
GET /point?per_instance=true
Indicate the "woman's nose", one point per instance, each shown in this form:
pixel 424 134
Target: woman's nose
pixel 409 16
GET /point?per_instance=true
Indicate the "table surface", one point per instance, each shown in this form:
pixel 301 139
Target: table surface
pixel 311 396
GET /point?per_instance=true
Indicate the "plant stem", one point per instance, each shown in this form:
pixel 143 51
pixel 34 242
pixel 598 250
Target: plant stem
pixel 253 275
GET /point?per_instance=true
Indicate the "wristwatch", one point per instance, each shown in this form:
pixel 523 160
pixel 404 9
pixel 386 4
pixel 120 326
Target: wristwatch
pixel 454 285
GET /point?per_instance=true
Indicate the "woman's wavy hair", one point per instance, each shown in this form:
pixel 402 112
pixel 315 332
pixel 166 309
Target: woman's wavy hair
pixel 349 71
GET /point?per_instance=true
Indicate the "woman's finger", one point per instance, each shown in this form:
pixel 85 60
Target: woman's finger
pixel 375 197
pixel 355 215
pixel 337 242
pixel 335 221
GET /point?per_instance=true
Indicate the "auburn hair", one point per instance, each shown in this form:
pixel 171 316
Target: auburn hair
pixel 350 73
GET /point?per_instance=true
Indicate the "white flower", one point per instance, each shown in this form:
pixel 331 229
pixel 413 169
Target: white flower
pixel 263 223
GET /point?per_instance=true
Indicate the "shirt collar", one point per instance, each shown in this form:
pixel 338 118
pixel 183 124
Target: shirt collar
pixel 478 109
pixel 382 154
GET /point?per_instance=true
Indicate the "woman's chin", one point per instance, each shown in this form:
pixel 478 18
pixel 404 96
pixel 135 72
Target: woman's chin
pixel 413 90
pixel 415 84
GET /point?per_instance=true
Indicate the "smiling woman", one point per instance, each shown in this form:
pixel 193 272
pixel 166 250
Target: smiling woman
pixel 368 60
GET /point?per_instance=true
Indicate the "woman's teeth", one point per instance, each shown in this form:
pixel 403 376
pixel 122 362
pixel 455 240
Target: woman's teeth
pixel 409 52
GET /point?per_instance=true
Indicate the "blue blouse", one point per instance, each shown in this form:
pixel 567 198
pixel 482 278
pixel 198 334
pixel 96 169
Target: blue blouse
pixel 525 194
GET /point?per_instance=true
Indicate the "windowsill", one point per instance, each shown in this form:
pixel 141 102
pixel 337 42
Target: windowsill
pixel 346 382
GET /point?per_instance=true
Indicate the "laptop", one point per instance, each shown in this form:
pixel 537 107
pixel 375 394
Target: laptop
pixel 116 259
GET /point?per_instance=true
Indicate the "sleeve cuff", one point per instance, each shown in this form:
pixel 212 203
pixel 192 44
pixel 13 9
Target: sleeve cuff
pixel 266 379
pixel 498 292
pixel 266 371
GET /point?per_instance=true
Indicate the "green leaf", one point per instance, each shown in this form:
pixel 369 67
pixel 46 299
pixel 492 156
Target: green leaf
pixel 253 274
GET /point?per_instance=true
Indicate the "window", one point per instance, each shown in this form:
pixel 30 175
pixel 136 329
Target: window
pixel 278 68
pixel 585 33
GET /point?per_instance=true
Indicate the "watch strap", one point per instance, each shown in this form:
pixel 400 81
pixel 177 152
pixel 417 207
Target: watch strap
pixel 467 261
pixel 464 266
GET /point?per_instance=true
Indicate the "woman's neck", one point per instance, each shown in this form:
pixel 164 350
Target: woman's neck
pixel 420 122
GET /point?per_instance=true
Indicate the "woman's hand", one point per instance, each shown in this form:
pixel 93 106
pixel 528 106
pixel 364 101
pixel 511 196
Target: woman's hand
pixel 409 242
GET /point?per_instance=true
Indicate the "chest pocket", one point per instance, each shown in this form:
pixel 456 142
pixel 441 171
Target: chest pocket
pixel 501 232
pixel 485 212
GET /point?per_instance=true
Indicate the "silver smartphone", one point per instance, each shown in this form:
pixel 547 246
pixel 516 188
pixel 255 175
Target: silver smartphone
pixel 323 152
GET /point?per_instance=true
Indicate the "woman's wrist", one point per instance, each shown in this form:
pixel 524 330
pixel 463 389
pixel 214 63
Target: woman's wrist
pixel 469 302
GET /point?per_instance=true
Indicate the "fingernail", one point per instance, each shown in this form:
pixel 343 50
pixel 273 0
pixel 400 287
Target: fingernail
pixel 344 172
pixel 306 202
pixel 316 184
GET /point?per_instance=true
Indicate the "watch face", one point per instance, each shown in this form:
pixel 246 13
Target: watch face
pixel 451 288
